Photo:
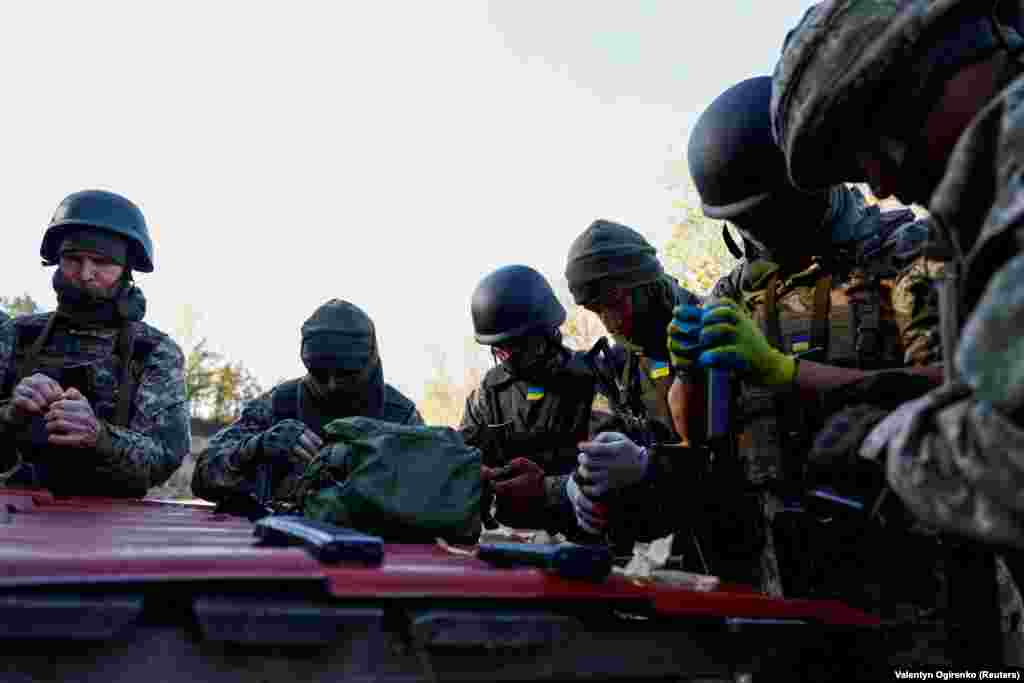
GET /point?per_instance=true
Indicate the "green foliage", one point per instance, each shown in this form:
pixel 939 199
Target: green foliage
pixel 19 305
pixel 233 385
pixel 200 373
pixel 216 387
pixel 581 328
pixel 696 253
pixel 444 398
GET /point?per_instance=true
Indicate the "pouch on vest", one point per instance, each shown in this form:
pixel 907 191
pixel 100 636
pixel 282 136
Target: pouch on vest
pixel 404 483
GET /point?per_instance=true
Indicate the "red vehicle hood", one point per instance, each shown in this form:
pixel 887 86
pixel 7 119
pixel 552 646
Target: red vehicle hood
pixel 81 541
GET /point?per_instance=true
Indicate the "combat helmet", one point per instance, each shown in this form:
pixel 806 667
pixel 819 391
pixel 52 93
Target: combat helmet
pixel 851 66
pixel 733 158
pixel 608 254
pixel 740 173
pixel 106 211
pixel 511 302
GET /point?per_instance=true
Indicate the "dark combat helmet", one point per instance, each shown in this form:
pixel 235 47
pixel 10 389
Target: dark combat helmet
pixel 105 211
pixel 511 302
pixel 740 172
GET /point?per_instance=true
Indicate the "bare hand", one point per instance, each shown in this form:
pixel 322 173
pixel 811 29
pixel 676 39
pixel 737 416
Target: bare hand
pixel 34 394
pixel 72 422
pixel 308 446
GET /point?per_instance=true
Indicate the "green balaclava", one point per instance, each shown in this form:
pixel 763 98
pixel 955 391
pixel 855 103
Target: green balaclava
pixel 339 340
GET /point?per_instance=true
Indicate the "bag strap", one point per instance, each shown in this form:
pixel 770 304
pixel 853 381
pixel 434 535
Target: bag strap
pixel 128 384
pixel 32 355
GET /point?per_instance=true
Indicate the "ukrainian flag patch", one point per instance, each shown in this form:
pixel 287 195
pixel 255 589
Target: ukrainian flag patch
pixel 534 393
pixel 800 342
pixel 659 369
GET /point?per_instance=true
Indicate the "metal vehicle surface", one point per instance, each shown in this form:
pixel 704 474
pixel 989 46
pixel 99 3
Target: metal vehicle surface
pixel 103 590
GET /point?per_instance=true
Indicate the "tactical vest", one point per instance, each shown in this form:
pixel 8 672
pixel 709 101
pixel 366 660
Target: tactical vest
pixel 87 361
pixel 649 380
pixel 637 390
pixel 848 325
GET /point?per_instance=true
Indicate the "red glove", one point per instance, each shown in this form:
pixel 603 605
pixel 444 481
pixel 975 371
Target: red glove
pixel 520 493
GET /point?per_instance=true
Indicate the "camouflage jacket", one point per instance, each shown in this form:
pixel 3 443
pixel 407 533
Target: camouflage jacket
pixel 954 455
pixel 229 466
pixel 543 421
pixel 129 459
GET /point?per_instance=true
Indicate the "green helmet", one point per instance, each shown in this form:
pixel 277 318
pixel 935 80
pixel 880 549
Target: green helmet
pixel 853 69
pixel 105 211
pixel 607 255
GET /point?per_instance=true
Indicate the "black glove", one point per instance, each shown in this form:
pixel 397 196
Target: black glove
pixel 834 459
pixel 289 441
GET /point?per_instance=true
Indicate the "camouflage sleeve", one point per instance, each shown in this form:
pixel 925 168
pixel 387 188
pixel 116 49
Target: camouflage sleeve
pixel 954 455
pixel 915 298
pixel 222 469
pixel 151 448
pixel 914 292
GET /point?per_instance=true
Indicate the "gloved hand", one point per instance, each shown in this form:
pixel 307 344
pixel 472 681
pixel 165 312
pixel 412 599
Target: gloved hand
pixel 519 490
pixel 291 440
pixel 737 343
pixel 610 461
pixel 684 335
pixel 591 516
pixel 834 459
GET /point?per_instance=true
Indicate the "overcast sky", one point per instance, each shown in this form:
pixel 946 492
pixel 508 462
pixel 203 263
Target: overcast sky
pixel 389 153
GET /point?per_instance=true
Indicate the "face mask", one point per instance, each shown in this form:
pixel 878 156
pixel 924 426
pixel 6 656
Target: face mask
pixel 523 356
pixel 348 393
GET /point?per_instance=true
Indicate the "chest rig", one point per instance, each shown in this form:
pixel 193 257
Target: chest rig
pixel 843 324
pixel 103 364
pixel 637 390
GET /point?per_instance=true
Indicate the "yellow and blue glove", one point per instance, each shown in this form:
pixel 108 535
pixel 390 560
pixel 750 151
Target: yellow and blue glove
pixel 733 341
pixel 684 336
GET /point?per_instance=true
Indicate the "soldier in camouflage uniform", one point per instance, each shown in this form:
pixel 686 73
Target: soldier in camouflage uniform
pixel 923 100
pixel 264 452
pixel 92 400
pixel 818 274
pixel 534 407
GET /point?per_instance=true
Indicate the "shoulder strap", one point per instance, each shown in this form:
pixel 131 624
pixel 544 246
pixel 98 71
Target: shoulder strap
pixel 822 310
pixel 128 384
pixel 773 328
pixel 29 361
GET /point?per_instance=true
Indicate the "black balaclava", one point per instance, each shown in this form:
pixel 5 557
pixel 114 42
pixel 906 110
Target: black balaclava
pixel 339 339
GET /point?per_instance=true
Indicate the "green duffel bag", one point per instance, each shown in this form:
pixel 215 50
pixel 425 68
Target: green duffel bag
pixel 405 484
